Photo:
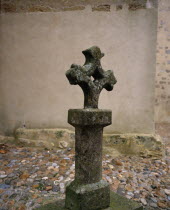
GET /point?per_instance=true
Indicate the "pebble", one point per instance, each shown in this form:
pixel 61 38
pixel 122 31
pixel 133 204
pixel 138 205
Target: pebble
pixel 56 182
pixel 111 166
pixel 55 165
pixel 167 191
pixel 2 172
pixel 137 195
pixel 143 201
pixel 63 144
pixel 33 176
pixel 56 188
pixel 154 200
pixel 48 188
pixel 108 179
pixel 4 186
pixel 66 158
pixel 62 190
pixel 116 162
pixel 60 178
pixel 11 175
pixel 121 191
pixel 130 194
pixel 2 176
pixel 30 180
pixel 162 204
pixel 71 176
pixel 61 185
pixel 50 168
pixel 154 205
pixel 45 178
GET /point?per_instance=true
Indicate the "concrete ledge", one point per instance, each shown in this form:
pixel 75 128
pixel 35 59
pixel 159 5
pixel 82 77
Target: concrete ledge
pixel 50 138
pixel 114 144
pixel 145 145
pixel 71 5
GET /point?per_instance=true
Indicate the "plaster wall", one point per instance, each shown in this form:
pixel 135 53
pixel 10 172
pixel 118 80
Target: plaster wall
pixel 38 47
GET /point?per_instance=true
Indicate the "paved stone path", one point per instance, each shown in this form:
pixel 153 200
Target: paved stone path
pixel 30 177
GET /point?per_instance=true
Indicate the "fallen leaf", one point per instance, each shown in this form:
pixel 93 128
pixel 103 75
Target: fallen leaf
pixel 34 196
pixel 22 207
pixel 11 202
pixel 48 188
pixel 2 151
pixel 24 176
pixel 115 185
pixel 35 185
pixel 162 205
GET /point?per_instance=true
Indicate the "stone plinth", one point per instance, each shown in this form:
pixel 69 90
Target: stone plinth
pixel 88 190
pixel 145 145
pixel 87 197
pixel 118 202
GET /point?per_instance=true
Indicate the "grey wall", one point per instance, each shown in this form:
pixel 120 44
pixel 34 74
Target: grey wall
pixel 38 47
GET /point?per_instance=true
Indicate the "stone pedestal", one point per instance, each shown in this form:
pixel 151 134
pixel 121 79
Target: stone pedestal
pixel 118 202
pixel 88 191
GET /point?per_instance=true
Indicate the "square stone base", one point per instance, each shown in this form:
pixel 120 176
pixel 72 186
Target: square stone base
pixel 88 197
pixel 118 202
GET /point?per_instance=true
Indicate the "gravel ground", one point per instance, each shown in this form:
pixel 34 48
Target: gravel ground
pixel 30 177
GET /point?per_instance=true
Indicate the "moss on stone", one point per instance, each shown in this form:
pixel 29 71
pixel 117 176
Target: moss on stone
pixel 117 203
pixel 89 117
pixel 59 134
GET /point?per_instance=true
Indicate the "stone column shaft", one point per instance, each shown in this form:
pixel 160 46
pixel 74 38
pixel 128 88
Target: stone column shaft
pixel 88 154
pixel 88 191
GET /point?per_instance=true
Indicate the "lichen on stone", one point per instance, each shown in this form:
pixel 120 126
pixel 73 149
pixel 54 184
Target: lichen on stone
pixel 91 77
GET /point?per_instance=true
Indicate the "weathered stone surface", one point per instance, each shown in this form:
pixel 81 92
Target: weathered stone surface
pixel 88 148
pixel 87 197
pixel 88 125
pixel 82 76
pixel 117 203
pixel 105 7
pixel 121 203
pixel 135 144
pixel 9 139
pixel 60 5
pixel 88 191
pixel 88 145
pixel 114 144
pixel 49 138
pixel 89 117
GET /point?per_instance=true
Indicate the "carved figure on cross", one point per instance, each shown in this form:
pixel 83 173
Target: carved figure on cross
pixel 91 77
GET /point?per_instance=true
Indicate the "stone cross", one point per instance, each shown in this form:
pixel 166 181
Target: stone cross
pixel 82 76
pixel 88 191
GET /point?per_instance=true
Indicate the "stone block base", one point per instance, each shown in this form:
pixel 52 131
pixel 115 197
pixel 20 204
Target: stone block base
pixel 117 203
pixel 88 197
pixel 145 145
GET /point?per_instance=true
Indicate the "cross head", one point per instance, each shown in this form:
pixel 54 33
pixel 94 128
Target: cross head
pixel 91 77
